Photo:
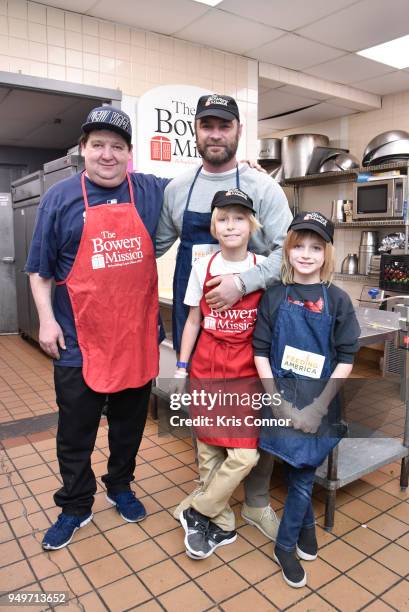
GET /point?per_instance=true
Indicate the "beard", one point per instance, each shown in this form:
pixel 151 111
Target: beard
pixel 218 158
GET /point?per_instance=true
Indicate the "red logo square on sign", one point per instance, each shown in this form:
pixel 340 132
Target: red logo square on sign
pixel 161 149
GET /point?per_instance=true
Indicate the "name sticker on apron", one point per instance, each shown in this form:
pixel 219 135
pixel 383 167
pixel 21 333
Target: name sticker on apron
pixel 302 362
pixel 201 250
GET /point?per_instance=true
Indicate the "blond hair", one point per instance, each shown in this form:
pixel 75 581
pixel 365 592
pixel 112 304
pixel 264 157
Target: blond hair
pixel 254 224
pixel 293 239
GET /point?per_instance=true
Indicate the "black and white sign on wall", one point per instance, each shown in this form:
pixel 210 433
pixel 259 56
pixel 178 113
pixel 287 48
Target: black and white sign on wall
pixel 165 136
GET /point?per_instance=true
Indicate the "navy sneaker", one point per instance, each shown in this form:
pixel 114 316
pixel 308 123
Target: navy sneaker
pixel 291 569
pixel 307 546
pixel 60 534
pixel 128 506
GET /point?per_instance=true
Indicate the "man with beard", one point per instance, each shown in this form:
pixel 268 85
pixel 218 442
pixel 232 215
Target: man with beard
pixel 186 215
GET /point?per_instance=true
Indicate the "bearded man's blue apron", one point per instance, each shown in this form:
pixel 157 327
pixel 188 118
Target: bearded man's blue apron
pixel 195 233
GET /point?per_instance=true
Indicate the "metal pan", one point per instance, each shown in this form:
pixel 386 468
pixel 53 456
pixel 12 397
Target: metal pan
pixel 382 139
pixel 398 149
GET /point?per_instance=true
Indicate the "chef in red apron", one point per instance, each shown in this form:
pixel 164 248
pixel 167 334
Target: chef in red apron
pixel 94 237
pixel 222 363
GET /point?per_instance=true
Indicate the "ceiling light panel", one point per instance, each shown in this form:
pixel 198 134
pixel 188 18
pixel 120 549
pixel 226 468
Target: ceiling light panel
pixel 392 53
pixel 208 2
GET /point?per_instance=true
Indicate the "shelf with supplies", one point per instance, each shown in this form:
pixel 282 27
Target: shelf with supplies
pixel 342 176
pixel 356 278
pixel 374 223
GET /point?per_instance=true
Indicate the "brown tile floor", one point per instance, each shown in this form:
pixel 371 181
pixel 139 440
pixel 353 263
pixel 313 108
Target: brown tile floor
pixel 363 563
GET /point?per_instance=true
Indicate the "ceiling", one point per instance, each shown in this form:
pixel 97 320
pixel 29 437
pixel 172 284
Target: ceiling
pixel 44 120
pixel 315 40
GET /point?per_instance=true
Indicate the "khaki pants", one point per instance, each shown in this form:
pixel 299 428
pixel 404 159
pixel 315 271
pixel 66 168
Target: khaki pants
pixel 221 471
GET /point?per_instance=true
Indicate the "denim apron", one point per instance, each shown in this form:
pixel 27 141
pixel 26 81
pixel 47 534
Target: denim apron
pixel 195 230
pixel 299 328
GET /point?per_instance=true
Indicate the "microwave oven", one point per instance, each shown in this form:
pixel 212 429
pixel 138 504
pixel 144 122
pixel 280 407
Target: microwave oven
pixel 380 199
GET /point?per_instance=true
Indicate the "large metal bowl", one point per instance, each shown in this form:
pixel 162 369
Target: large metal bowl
pixel 392 151
pixel 382 139
pixel 342 161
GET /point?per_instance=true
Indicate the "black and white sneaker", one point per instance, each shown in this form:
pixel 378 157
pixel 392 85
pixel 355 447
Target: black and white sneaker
pixel 215 537
pixel 291 569
pixel 196 526
pixel 307 545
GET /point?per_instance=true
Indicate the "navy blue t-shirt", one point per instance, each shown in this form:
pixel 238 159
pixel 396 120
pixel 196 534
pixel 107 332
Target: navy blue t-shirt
pixel 58 230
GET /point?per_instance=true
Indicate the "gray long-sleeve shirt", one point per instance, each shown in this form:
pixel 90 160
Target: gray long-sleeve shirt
pixel 270 204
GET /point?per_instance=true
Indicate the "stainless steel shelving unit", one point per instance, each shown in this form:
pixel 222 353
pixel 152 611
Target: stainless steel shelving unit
pixel 355 457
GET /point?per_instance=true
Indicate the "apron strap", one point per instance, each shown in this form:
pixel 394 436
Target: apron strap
pixel 237 177
pixel 131 192
pixel 84 190
pixel 189 195
pixel 325 297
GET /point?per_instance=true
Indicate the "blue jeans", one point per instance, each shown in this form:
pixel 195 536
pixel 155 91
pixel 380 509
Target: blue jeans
pixel 298 510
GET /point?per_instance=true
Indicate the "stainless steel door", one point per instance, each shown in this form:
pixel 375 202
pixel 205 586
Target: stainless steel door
pixel 8 302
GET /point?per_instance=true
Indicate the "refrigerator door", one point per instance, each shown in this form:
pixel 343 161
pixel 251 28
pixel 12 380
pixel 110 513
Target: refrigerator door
pixel 8 301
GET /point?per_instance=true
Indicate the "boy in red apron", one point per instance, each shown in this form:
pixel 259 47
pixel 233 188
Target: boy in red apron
pixel 223 352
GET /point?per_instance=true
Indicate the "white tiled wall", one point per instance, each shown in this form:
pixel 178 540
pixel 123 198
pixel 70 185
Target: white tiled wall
pixel 47 42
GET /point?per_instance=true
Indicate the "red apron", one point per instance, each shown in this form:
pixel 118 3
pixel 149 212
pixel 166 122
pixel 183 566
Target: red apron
pixel 113 288
pixel 224 351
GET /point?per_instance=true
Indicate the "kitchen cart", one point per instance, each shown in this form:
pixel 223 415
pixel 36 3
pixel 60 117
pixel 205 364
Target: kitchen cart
pixel 355 456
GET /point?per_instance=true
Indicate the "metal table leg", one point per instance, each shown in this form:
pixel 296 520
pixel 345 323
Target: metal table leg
pixel 332 476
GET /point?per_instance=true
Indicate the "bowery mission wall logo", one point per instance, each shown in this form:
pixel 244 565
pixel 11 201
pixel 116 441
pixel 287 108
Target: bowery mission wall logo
pixel 177 121
pixel 110 251
pixel 165 125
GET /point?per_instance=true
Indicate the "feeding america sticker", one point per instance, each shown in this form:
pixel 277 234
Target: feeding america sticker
pixel 109 251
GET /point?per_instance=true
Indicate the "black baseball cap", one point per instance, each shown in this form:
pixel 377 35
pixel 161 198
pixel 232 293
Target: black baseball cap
pixel 315 222
pixel 216 105
pixel 109 118
pixel 231 197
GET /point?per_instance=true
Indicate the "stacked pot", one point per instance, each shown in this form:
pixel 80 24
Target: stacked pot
pixel 367 248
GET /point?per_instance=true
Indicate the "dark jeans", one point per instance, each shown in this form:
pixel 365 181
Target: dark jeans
pixel 79 417
pixel 298 510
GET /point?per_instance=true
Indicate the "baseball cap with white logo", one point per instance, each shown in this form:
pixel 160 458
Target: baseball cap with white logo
pixel 217 105
pixel 315 222
pixel 232 197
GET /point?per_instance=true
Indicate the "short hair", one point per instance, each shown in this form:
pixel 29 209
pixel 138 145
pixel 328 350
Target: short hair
pixel 83 139
pixel 294 238
pixel 254 223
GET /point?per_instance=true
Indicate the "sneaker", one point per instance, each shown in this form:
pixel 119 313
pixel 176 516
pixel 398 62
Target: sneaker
pixel 264 519
pixel 60 534
pixel 128 506
pixel 307 546
pixel 291 569
pixel 196 526
pixel 215 537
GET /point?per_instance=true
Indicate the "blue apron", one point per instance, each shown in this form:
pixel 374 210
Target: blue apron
pixel 308 331
pixel 195 230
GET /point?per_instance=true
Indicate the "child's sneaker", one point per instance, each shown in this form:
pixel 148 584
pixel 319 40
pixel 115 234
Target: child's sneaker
pixel 291 569
pixel 307 546
pixel 60 534
pixel 196 526
pixel 215 537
